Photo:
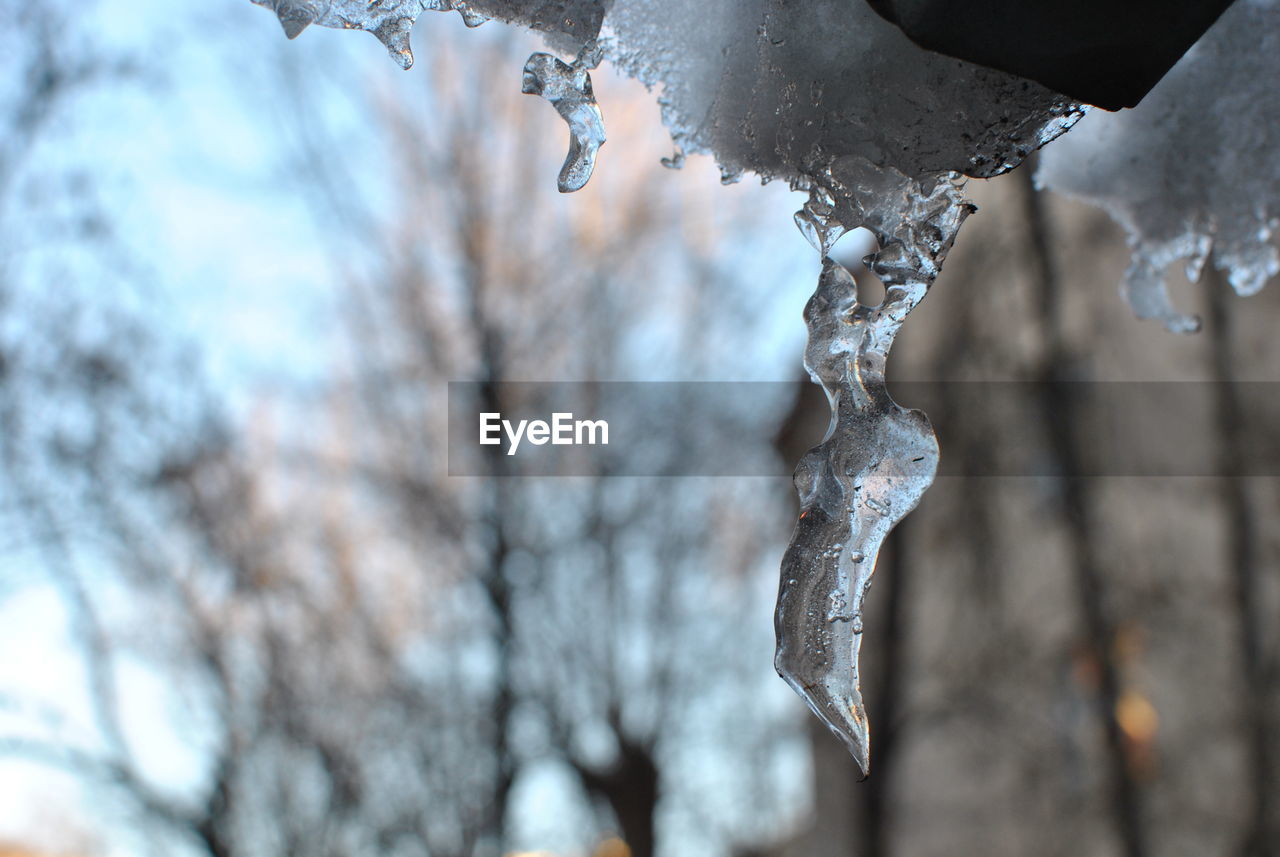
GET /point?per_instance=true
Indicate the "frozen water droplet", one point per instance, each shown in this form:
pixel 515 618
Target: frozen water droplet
pixel 878 506
pixel 568 88
pixel 730 175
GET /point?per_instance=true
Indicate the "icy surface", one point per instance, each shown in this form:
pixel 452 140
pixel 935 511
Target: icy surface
pixel 568 88
pixel 1193 172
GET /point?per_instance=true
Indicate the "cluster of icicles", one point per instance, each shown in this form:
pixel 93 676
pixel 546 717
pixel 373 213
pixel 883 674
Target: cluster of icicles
pixel 567 86
pixel 877 458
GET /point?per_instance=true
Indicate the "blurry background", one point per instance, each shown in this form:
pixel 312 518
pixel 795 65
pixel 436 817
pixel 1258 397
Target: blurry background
pixel 244 610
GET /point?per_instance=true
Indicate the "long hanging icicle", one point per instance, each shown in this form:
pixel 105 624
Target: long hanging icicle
pixel 874 464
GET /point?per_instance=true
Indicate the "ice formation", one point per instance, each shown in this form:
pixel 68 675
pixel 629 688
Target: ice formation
pixel 880 133
pixel 568 88
pixel 877 458
pixel 1192 173
pixel 565 22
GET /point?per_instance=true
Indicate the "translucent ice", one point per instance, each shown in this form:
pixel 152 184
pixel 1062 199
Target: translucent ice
pixel 870 470
pixel 569 24
pixel 568 88
pixel 1193 172
pixel 817 223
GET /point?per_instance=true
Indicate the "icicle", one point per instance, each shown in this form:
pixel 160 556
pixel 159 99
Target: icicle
pixel 816 220
pixel 568 88
pixel 873 466
pixel 296 15
pixel 394 34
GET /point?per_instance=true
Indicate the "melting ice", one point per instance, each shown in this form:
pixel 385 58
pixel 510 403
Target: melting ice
pixel 1193 172
pixel 880 133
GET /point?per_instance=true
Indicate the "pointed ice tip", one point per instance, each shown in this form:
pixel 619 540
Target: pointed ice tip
pixel 853 733
pixel 840 709
pixel 394 36
pixel 293 19
pixel 862 755
pixel 400 52
pixel 403 58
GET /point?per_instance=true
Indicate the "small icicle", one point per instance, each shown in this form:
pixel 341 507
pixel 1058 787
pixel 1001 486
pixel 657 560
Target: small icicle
pixel 296 15
pixel 816 221
pixel 394 34
pixel 568 88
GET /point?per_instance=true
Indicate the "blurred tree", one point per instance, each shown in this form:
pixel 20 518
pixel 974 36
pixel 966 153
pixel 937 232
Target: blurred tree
pixel 376 657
